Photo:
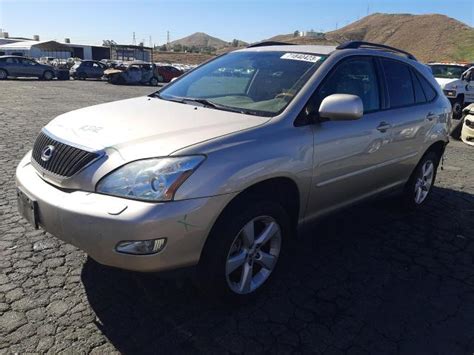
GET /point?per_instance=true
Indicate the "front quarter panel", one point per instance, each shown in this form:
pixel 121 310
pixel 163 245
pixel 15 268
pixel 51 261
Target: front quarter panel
pixel 237 162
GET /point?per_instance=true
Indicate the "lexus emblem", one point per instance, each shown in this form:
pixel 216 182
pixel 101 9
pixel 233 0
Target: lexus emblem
pixel 47 153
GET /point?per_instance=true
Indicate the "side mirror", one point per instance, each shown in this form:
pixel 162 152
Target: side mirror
pixel 341 107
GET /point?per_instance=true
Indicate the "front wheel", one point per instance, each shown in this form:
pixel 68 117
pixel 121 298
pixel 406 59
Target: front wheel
pixel 3 74
pixel 458 105
pixel 243 250
pixel 153 81
pixel 418 188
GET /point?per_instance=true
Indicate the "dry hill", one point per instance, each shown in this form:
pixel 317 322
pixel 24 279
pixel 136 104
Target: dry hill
pixel 203 40
pixel 428 37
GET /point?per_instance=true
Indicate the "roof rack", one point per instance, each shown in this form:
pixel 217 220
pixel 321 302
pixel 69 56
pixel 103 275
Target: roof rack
pixel 269 43
pixel 359 44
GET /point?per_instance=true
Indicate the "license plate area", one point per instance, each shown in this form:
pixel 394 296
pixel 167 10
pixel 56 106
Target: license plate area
pixel 28 207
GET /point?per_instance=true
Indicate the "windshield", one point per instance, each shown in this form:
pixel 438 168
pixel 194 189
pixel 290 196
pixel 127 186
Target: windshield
pixel 259 83
pixel 448 71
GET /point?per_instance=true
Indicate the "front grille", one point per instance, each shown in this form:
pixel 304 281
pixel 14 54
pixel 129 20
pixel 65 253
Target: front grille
pixel 65 160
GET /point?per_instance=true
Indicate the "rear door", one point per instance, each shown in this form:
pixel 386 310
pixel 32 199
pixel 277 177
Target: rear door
pixel 348 154
pixel 411 114
pixel 13 66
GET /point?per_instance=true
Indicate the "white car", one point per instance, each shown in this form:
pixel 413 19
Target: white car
pixel 457 82
pixel 467 133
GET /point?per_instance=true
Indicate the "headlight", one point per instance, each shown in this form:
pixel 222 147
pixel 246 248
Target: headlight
pixel 150 179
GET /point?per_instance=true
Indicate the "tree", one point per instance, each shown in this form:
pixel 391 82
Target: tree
pixel 296 33
pixel 177 47
pixel 163 48
pixel 235 43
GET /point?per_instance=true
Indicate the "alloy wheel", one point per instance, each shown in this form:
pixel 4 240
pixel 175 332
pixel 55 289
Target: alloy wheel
pixel 424 181
pixel 253 255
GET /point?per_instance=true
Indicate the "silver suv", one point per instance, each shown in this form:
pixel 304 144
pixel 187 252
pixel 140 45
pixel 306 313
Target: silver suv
pixel 219 168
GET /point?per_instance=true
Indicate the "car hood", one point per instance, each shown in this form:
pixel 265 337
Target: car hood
pixel 146 127
pixel 443 82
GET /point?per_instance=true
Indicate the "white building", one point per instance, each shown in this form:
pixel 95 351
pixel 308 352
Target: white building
pixel 37 49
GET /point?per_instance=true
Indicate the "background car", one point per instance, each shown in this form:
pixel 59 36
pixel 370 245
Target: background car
pixel 168 72
pixel 88 69
pixel 16 66
pixel 137 72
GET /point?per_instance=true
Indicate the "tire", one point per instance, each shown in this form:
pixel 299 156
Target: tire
pixel 153 81
pixel 3 74
pixel 418 188
pixel 48 75
pixel 457 128
pixel 229 253
pixel 82 76
pixel 458 106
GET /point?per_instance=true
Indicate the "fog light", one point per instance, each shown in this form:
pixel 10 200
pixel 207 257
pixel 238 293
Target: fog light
pixel 141 247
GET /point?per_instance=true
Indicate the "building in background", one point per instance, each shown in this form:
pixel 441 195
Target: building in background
pixel 127 52
pixel 35 48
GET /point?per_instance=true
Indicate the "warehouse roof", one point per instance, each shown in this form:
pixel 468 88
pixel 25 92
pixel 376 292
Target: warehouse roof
pixel 44 45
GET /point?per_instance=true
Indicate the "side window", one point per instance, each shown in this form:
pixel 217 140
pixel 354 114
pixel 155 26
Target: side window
pixel 356 77
pixel 12 61
pixel 430 93
pixel 399 84
pixel 419 94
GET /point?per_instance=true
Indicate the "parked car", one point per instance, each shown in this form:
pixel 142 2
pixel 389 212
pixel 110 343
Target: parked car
pixel 457 82
pixel 467 132
pixel 87 69
pixel 218 172
pixel 135 73
pixel 17 66
pixel 168 72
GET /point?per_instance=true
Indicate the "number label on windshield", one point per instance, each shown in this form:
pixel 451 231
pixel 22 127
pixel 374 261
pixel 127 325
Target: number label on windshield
pixel 302 57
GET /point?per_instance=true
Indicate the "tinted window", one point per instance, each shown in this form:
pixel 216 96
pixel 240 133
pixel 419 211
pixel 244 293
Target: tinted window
pixel 430 93
pixel 355 77
pixel 399 84
pixel 419 94
pixel 12 60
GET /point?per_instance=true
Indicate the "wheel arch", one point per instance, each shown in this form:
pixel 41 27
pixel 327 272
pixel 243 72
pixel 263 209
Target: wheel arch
pixel 283 190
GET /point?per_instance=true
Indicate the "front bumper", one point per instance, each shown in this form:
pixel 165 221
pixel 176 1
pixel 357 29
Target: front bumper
pixel 96 223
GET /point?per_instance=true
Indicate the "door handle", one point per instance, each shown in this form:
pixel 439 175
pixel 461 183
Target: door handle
pixel 431 116
pixel 383 127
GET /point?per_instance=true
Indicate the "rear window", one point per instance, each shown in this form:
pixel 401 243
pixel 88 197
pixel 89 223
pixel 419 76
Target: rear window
pixel 399 84
pixel 430 93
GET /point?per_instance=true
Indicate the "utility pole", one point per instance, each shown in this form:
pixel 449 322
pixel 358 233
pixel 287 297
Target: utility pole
pixel 167 37
pixel 134 41
pixel 368 9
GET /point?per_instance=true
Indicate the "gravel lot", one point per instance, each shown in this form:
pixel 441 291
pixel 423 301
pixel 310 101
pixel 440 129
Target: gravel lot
pixel 371 279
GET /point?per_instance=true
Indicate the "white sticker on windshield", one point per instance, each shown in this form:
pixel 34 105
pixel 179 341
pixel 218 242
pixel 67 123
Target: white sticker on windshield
pixel 301 56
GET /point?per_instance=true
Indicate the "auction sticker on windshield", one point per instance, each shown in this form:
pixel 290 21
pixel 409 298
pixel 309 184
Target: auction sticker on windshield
pixel 301 56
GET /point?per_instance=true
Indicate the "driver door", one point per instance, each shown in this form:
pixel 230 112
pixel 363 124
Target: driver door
pixel 348 155
pixel 469 81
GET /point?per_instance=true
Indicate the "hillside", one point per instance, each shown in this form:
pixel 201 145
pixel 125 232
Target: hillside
pixel 428 37
pixel 203 40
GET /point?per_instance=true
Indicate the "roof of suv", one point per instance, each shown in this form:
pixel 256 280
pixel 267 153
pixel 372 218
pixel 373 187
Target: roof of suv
pixel 327 50
pixel 292 48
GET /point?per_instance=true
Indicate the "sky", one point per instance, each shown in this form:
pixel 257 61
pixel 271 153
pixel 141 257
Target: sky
pixel 90 22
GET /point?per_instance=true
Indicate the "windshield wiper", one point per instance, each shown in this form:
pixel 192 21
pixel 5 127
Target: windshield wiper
pixel 206 103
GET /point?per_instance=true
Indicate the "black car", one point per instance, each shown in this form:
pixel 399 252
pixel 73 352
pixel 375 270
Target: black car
pixel 87 69
pixel 17 66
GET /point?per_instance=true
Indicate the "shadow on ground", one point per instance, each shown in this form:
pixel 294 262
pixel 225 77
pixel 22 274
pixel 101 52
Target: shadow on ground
pixel 373 278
